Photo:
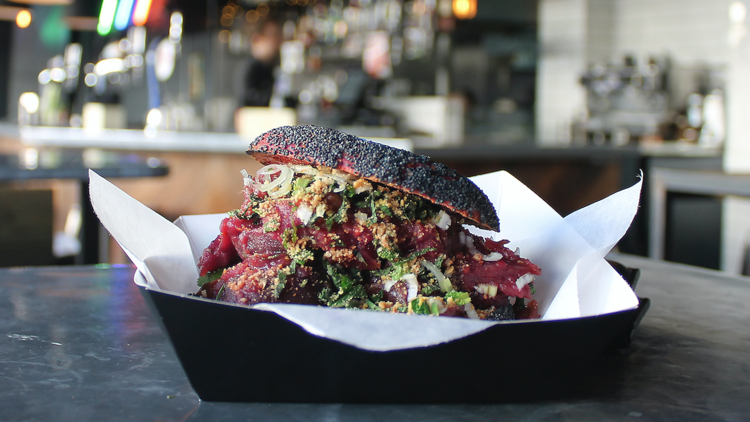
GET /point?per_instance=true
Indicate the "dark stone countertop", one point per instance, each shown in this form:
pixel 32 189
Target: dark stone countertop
pixel 80 344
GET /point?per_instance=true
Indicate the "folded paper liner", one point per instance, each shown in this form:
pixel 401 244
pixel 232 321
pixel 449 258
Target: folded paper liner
pixel 576 281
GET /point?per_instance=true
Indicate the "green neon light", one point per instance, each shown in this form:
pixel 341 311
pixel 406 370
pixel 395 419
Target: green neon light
pixel 106 17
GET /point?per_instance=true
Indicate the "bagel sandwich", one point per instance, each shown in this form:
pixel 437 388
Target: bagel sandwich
pixel 336 220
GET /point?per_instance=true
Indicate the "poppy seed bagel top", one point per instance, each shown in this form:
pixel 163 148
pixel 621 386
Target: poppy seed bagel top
pixel 397 168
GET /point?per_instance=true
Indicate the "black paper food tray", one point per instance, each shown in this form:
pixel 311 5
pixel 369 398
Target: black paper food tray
pixel 238 354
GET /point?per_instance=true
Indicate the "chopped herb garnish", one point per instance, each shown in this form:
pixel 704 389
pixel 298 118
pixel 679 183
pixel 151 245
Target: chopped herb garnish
pixel 349 192
pixel 428 289
pixel 533 289
pixel 221 292
pixel 339 216
pixel 377 297
pixel 461 298
pixel 418 253
pixel 320 212
pixel 300 256
pixel 349 293
pixel 271 226
pixel 209 277
pixel 387 254
pixel 372 305
pixel 422 308
pixel 289 238
pixel 348 298
pixel 300 184
pixel 280 286
pixel 399 268
pixel 439 261
pixel 246 214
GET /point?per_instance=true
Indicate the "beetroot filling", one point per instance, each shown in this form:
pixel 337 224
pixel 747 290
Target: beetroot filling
pixel 326 244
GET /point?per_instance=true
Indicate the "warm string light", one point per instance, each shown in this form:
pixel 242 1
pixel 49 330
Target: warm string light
pixel 465 9
pixel 23 19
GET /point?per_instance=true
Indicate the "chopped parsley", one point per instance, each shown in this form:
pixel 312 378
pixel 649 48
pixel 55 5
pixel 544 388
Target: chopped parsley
pixel 423 307
pixel 348 291
pixel 271 226
pixel 417 208
pixel 340 216
pixel 461 298
pixel 280 285
pixel 300 184
pixel 428 289
pixel 387 254
pixel 246 214
pixel 221 292
pixel 349 191
pixel 209 277
pixel 288 238
pixel 400 267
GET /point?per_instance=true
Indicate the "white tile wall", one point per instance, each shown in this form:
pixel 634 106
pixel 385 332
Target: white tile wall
pixel 573 33
pixel 562 33
pixel 690 31
pixel 601 36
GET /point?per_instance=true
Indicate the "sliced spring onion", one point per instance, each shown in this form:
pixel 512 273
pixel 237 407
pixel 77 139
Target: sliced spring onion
pixel 470 312
pixel 305 170
pixel 339 180
pixel 412 286
pixel 524 280
pixel 360 216
pixel 266 172
pixel 304 213
pixel 389 284
pixel 365 187
pixel 284 189
pixel 247 180
pixel 437 303
pixel 470 245
pixel 494 256
pixel 443 220
pixel 283 181
pixel 443 282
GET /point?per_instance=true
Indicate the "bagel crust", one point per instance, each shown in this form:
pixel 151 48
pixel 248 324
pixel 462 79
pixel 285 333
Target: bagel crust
pixel 396 168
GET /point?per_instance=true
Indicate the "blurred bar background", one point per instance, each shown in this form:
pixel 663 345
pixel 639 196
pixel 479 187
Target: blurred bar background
pixel 573 97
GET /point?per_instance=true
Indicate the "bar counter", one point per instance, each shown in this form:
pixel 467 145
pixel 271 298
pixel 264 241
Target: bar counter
pixel 80 344
pixel 566 177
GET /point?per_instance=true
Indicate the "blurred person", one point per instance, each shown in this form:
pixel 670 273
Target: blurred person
pixel 265 47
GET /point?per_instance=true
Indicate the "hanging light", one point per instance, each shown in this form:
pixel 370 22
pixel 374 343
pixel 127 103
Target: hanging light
pixel 465 9
pixel 13 12
pixel 23 19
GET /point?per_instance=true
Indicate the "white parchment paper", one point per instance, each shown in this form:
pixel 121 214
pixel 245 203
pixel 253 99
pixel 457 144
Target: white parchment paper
pixel 576 281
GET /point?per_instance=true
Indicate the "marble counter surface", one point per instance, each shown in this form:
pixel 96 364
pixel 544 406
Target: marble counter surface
pixel 80 344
